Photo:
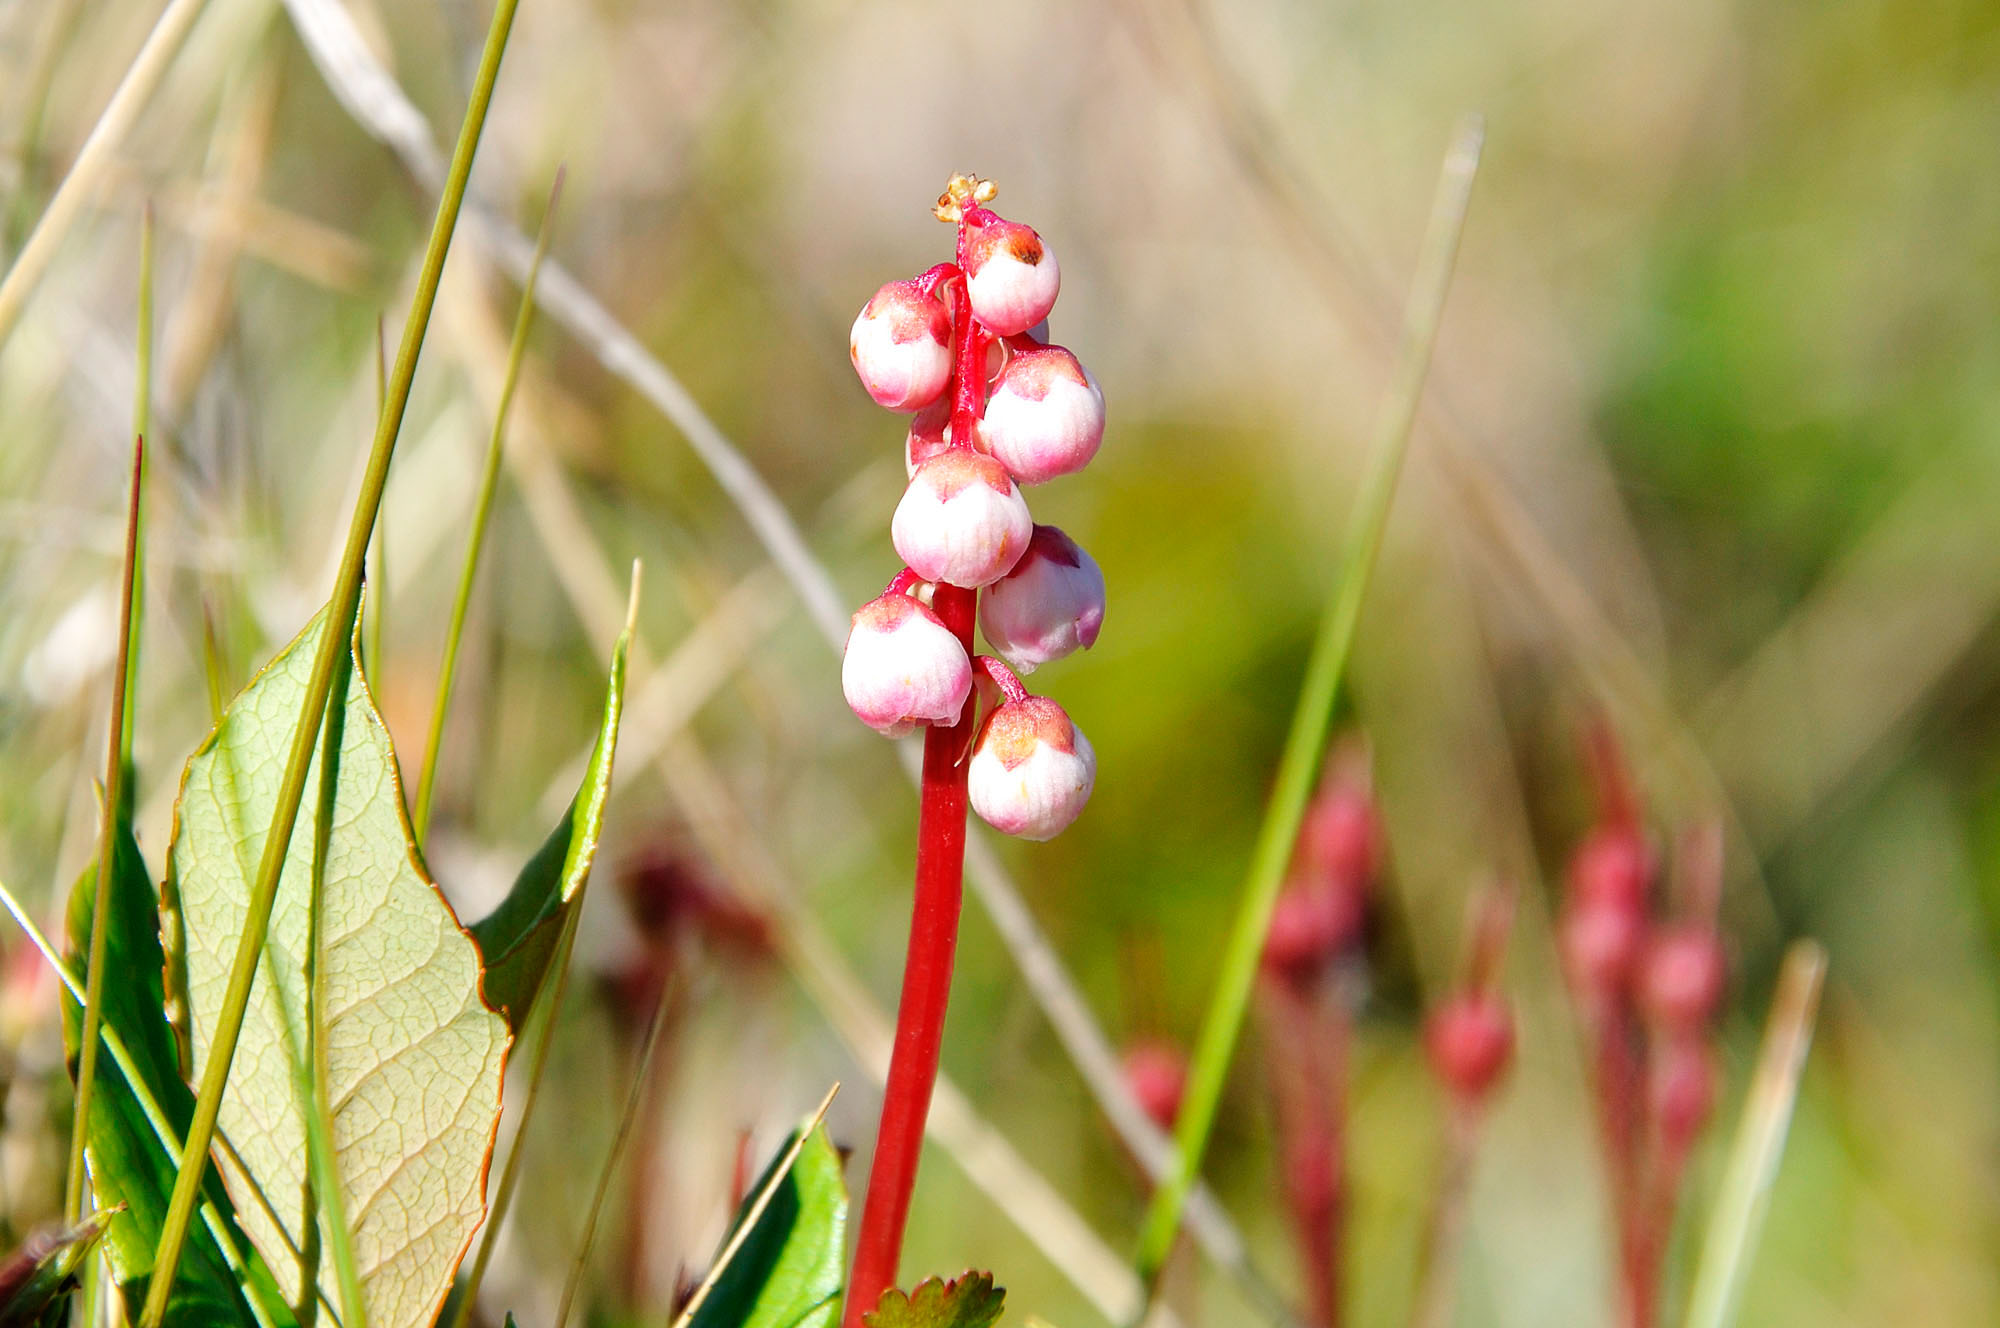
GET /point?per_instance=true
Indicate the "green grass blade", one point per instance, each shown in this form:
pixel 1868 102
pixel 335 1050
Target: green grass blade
pixel 548 1005
pixel 482 513
pixel 154 1113
pixel 1303 746
pixel 111 816
pixel 1738 1220
pixel 747 1221
pixel 318 1093
pixel 142 427
pixel 635 1096
pixel 334 641
pixel 556 898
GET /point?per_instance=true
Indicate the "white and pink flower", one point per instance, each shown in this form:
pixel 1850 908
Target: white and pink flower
pixel 903 666
pixel 1050 605
pixel 1031 770
pixel 962 520
pixel 1045 417
pixel 1010 274
pixel 901 346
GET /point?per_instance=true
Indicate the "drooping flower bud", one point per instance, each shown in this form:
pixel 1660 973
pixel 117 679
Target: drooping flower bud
pixel 1156 1072
pixel 1600 944
pixel 962 520
pixel 1031 770
pixel 1682 978
pixel 1612 865
pixel 1470 1041
pixel 1340 839
pixel 1010 274
pixel 1050 605
pixel 903 667
pixel 1045 417
pixel 1308 929
pixel 901 346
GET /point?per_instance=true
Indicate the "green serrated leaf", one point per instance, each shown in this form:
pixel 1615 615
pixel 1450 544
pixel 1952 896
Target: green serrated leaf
pixel 414 1055
pixel 129 1167
pixel 968 1301
pixel 788 1272
pixel 37 1279
pixel 519 938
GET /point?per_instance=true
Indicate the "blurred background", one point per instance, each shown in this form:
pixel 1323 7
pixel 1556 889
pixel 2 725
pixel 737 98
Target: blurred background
pixel 1708 451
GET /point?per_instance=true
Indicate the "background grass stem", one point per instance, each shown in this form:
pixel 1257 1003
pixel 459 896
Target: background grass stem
pixel 482 514
pixel 345 599
pixel 110 816
pixel 1299 767
pixel 1737 1221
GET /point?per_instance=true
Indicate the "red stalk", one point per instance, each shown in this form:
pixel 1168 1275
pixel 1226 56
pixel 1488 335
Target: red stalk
pixel 913 1062
pixel 1308 1054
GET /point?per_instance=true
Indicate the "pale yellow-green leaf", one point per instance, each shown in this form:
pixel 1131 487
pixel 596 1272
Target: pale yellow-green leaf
pixel 414 1054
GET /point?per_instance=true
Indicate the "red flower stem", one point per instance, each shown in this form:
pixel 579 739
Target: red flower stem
pixel 913 1062
pixel 1308 1061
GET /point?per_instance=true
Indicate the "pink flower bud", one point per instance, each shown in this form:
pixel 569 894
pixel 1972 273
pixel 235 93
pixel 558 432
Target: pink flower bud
pixel 1309 927
pixel 1682 980
pixel 1045 417
pixel 903 667
pixel 1471 1042
pixel 1011 276
pixel 1612 865
pixel 962 520
pixel 1340 840
pixel 1031 769
pixel 1156 1073
pixel 1600 944
pixel 1050 605
pixel 901 346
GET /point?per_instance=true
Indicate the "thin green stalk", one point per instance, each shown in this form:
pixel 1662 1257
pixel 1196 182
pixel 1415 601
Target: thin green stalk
pixel 376 574
pixel 482 512
pixel 1738 1220
pixel 772 1185
pixel 333 644
pixel 548 1005
pixel 142 427
pixel 110 817
pixel 635 1096
pixel 1307 739
pixel 318 1086
pixel 149 1106
pixel 212 669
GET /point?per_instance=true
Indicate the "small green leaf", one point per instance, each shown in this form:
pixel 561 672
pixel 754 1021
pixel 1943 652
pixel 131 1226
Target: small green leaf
pixel 518 939
pixel 789 1270
pixel 129 1167
pixel 968 1301
pixel 413 1055
pixel 37 1279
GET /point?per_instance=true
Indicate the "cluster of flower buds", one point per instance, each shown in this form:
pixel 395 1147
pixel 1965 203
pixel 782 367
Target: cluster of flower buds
pixel 1321 912
pixel 1470 1037
pixel 963 348
pixel 1649 983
